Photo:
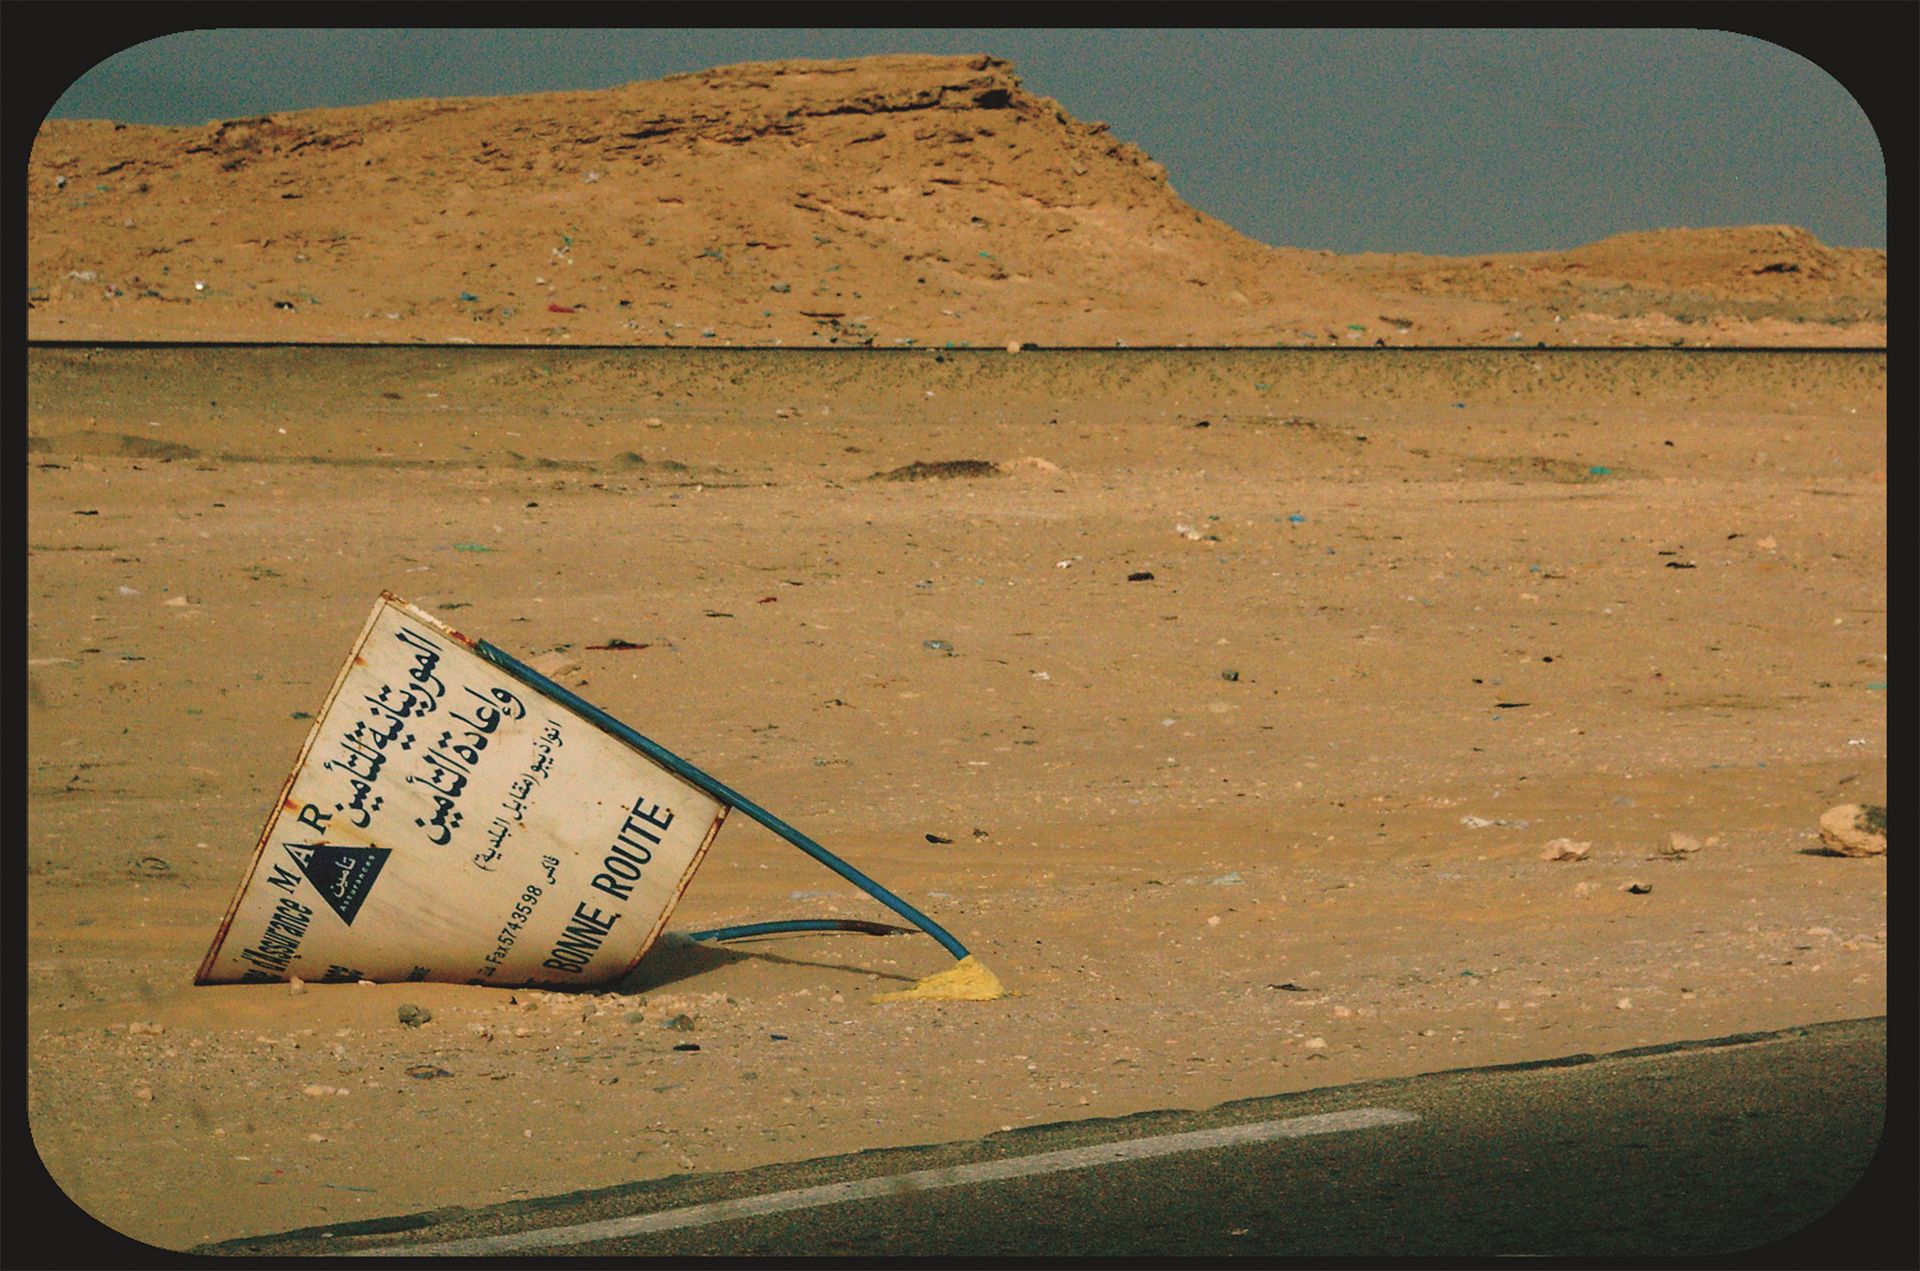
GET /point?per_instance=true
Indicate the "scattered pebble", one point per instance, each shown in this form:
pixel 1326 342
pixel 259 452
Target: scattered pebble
pixel 1565 850
pixel 413 1016
pixel 1637 888
pixel 1854 829
pixel 679 1023
pixel 1679 846
pixel 1314 1043
pixel 556 664
pixel 1140 576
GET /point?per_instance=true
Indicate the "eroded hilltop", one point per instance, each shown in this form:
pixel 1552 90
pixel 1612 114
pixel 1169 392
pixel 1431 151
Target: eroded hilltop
pixel 890 201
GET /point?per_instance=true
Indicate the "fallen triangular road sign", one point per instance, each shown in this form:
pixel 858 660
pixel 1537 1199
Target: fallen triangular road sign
pixel 450 820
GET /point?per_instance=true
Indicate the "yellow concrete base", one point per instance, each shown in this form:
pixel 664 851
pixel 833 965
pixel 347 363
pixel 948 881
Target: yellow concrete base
pixel 967 980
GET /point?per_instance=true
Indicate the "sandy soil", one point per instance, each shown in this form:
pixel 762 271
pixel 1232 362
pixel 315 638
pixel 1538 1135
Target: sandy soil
pixel 884 201
pixel 1199 887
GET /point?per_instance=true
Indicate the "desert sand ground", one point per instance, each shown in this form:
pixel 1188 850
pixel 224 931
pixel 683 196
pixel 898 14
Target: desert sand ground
pixel 1471 603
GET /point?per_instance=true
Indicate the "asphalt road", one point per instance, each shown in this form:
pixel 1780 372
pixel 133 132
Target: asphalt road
pixel 1700 1148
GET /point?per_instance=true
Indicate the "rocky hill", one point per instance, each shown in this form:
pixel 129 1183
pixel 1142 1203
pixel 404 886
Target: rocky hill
pixel 890 201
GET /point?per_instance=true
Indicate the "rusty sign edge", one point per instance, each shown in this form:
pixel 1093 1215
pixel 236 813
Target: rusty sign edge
pixel 286 788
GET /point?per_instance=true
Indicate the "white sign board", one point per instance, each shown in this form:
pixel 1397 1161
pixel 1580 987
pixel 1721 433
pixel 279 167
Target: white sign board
pixel 448 821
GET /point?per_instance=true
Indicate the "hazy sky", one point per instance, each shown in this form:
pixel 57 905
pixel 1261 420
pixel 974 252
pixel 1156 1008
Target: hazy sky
pixel 1433 141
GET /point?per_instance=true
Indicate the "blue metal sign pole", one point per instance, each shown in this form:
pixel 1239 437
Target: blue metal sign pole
pixel 726 794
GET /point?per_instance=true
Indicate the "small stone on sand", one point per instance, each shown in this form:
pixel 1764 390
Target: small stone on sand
pixel 1855 829
pixel 555 665
pixel 1679 846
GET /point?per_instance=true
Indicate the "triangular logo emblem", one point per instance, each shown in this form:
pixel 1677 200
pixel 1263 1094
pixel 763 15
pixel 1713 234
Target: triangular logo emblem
pixel 342 875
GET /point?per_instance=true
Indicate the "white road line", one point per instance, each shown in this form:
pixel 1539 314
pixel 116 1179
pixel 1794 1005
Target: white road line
pixel 893 1184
